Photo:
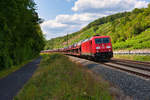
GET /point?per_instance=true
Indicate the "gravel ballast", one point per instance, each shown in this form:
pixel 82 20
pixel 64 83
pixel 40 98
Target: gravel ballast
pixel 132 85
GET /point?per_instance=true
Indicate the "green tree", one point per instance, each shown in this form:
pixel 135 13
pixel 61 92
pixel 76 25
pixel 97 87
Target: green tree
pixel 21 38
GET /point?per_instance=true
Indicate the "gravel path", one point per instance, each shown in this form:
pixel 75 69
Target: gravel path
pixel 131 85
pixel 10 85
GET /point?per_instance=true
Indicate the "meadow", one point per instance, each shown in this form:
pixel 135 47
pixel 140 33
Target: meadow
pixel 58 78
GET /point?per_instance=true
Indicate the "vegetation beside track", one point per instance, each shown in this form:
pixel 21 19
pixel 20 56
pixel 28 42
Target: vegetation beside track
pixel 134 57
pixel 57 78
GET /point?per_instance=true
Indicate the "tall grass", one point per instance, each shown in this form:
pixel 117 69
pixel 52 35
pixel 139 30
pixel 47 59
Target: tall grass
pixel 134 57
pixel 57 78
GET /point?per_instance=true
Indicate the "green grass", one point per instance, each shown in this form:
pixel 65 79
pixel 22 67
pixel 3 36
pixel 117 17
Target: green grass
pixel 134 57
pixel 57 78
pixel 7 71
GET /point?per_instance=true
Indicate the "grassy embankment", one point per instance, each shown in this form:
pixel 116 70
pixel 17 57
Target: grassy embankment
pixel 134 57
pixel 57 78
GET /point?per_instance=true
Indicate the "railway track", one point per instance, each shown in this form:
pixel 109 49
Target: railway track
pixel 133 62
pixel 133 81
pixel 141 69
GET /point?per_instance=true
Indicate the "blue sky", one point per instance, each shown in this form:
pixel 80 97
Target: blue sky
pixel 49 9
pixel 67 16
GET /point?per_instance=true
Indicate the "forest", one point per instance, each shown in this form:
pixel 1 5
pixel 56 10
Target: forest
pixel 21 38
pixel 128 30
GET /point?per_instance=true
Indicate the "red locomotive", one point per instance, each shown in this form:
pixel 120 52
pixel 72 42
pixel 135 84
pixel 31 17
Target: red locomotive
pixel 97 47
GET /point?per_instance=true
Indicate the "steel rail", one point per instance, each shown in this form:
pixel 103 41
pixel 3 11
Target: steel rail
pixel 132 69
pixel 131 61
pixel 129 69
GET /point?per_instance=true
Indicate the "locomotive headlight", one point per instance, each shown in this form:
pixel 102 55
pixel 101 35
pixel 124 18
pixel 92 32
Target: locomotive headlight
pixel 98 48
pixel 108 47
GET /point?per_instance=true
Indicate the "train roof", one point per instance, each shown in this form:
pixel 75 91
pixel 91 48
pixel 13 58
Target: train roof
pixel 100 37
pixel 94 38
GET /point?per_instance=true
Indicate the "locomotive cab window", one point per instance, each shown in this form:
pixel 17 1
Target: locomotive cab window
pixel 102 40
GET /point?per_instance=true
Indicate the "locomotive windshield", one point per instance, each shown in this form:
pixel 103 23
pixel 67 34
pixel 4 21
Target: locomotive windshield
pixel 101 40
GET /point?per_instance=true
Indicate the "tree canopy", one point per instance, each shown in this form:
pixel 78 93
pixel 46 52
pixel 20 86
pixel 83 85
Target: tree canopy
pixel 21 37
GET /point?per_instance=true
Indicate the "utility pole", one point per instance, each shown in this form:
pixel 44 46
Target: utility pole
pixel 67 39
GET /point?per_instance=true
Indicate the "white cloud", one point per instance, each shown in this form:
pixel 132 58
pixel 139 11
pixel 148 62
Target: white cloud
pixel 88 10
pixel 77 18
pixel 53 24
pixel 107 5
pixel 64 24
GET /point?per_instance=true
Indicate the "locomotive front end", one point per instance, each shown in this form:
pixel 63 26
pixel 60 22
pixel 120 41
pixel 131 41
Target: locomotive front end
pixel 103 47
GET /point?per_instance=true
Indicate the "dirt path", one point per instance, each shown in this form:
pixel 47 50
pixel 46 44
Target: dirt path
pixel 10 85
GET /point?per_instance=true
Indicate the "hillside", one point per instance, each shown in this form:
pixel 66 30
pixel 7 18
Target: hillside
pixel 128 30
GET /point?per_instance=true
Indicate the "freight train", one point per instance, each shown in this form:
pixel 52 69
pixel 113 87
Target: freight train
pixel 96 47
